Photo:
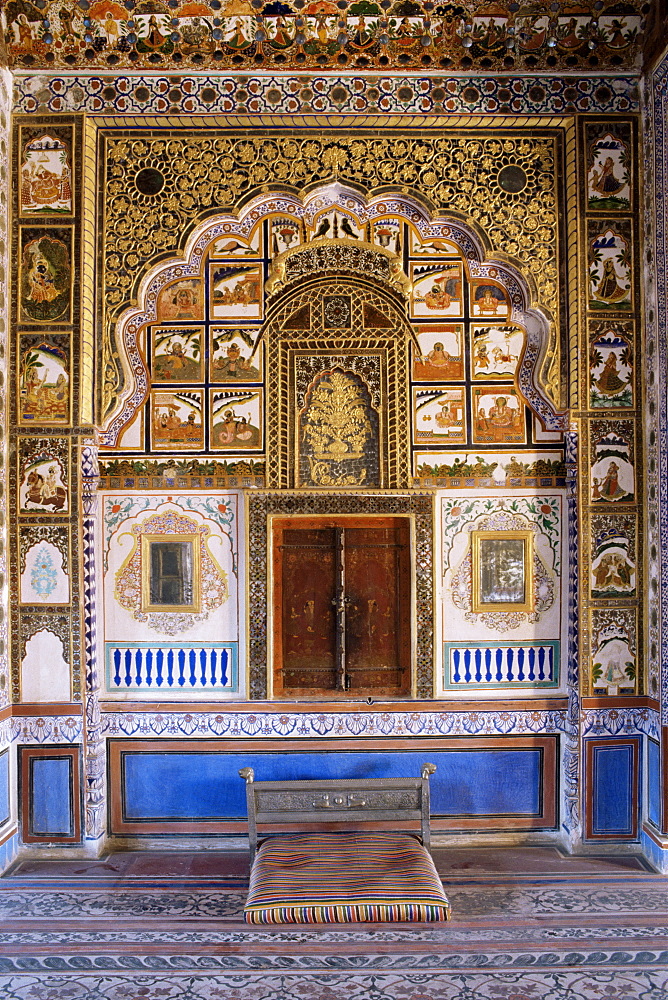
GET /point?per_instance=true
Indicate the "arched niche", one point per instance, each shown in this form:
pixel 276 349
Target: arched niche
pixel 539 376
pixel 337 346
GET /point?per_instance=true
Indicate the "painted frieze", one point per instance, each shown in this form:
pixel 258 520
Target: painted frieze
pixel 614 647
pixel 44 379
pixel 610 266
pixel 45 275
pixel 611 365
pixel 45 177
pixel 455 469
pixel 325 36
pixel 613 556
pixel 612 456
pixel 43 475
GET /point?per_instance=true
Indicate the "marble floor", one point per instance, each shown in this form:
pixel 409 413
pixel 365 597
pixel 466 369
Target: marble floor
pixel 527 924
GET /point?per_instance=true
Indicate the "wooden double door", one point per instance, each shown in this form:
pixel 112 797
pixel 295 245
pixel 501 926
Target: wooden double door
pixel 342 606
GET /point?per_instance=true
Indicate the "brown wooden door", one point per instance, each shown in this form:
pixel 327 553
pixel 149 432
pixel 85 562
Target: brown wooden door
pixel 342 606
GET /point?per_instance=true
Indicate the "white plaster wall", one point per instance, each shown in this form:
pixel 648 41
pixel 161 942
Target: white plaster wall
pixel 222 514
pixel 45 673
pixel 457 513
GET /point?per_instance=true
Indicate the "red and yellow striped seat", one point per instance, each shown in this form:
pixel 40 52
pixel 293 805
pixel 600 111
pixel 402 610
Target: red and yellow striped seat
pixel 324 878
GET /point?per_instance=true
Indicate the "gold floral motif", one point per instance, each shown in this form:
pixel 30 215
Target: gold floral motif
pixel 205 172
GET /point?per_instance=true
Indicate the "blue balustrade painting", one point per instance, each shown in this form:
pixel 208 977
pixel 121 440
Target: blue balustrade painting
pixel 501 665
pixel 187 668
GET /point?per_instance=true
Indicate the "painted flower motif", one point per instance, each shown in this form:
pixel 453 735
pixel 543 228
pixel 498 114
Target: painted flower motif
pixel 545 508
pixel 222 508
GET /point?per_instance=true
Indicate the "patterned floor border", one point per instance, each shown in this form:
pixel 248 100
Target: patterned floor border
pixel 570 984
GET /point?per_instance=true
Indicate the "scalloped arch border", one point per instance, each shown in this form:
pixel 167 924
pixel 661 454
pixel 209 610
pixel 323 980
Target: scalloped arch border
pixel 469 240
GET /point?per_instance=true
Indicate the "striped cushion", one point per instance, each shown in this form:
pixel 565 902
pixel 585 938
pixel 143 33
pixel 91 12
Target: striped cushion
pixel 325 878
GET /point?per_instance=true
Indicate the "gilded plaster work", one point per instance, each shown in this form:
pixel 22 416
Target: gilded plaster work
pixel 5 145
pixel 471 36
pixel 519 225
pixel 655 120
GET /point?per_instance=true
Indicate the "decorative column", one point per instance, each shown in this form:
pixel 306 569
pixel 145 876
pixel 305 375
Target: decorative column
pixel 94 744
pixel 572 820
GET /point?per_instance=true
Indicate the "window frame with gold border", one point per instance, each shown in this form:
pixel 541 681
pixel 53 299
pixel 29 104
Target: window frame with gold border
pixel 478 604
pixel 146 569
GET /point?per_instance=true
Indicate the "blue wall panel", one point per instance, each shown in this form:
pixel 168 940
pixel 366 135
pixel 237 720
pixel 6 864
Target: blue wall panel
pixel 4 786
pixel 654 783
pixel 200 786
pixel 614 807
pixel 51 796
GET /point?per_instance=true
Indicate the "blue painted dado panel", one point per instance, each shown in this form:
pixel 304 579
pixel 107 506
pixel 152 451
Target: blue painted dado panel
pixel 200 786
pixel 612 780
pixel 4 787
pixel 50 794
pixel 654 783
pixel 51 805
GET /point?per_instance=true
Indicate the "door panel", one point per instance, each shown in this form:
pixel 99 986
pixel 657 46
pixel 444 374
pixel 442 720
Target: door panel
pixel 376 620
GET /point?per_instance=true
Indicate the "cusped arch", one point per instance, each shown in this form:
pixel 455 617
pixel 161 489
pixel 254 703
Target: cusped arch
pixel 539 375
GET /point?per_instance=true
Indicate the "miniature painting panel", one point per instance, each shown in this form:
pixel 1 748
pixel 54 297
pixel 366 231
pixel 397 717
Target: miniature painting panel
pixel 182 300
pixel 178 354
pixel 236 420
pixel 430 246
pixel 497 413
pixel 609 272
pixel 437 289
pixel 441 356
pixel 495 351
pixel 44 380
pixel 237 246
pixel 439 416
pixel 613 665
pixel 236 291
pixel 43 486
pixel 386 233
pixel 613 557
pixel 45 276
pixel 488 299
pixel 611 371
pixel 45 180
pixel 177 420
pixel 612 471
pixel 285 233
pixel 619 30
pixel 44 580
pixel 608 178
pixel 232 358
pixel 501 571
